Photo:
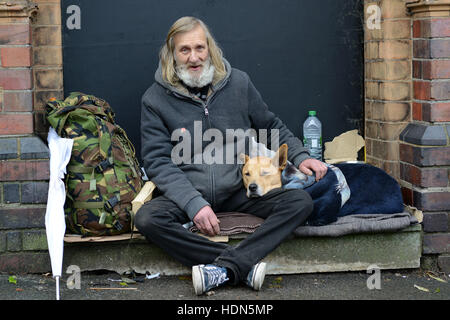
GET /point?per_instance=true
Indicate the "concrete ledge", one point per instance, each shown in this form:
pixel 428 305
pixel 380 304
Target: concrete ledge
pixel 397 250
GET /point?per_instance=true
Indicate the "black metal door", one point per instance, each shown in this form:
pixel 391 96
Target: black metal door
pixel 298 53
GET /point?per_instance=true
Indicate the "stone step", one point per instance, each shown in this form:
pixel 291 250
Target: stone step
pixel 396 250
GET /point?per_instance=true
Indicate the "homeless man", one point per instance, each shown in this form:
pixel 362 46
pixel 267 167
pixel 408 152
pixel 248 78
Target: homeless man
pixel 195 85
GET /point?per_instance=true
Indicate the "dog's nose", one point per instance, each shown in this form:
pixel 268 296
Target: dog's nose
pixel 253 187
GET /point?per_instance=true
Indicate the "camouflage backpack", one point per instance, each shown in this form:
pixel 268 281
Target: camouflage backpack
pixel 103 175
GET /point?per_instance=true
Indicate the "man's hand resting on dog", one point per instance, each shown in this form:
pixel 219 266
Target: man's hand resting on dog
pixel 309 165
pixel 206 221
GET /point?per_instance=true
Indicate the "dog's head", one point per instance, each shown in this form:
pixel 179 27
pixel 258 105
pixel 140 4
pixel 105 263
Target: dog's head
pixel 262 174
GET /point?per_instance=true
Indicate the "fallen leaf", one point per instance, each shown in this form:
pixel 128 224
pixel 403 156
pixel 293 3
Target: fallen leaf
pixel 437 290
pixel 20 289
pixel 128 280
pixel 435 278
pixel 278 279
pixel 123 284
pixel 421 288
pixel 12 279
pixel 184 278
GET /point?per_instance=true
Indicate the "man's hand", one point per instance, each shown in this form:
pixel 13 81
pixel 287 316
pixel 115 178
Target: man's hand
pixel 206 221
pixel 309 165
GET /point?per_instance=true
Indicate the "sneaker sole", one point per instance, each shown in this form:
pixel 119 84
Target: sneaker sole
pixel 197 280
pixel 259 275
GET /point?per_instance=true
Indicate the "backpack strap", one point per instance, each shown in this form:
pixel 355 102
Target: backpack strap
pixel 100 168
pixel 108 205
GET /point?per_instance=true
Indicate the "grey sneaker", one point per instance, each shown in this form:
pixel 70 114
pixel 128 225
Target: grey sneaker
pixel 255 277
pixel 204 278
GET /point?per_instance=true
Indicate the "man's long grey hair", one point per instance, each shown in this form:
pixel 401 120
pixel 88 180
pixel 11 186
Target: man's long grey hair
pixel 166 54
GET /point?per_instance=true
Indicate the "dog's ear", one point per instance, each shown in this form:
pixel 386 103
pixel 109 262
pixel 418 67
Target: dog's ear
pixel 243 158
pixel 280 158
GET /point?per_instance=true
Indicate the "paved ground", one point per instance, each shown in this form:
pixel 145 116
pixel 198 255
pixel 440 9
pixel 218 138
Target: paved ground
pixel 395 285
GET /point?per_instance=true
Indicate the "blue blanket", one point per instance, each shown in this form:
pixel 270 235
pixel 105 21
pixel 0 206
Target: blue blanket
pixel 372 191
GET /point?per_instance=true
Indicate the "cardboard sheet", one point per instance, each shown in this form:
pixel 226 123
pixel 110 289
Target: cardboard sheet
pixel 74 238
pixel 344 147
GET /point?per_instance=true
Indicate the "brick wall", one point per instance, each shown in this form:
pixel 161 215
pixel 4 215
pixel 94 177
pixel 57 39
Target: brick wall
pixel 387 82
pixel 47 60
pixel 424 143
pixel 24 157
pixel 407 109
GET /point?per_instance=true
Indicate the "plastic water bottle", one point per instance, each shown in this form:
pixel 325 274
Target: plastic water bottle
pixel 312 135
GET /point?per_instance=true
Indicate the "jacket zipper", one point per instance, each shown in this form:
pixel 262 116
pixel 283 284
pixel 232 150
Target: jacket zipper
pixel 211 171
pixel 206 112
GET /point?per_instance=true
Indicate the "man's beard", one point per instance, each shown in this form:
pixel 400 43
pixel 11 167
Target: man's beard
pixel 194 81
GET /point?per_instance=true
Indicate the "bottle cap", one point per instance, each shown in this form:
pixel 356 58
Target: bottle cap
pixel 311 113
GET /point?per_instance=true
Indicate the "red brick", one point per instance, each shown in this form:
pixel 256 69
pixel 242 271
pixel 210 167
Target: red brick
pixel 424 156
pixel 440 48
pixel 424 177
pixel 422 90
pixel 431 28
pixel 417 111
pixel 24 170
pixel 417 29
pixel 25 262
pixel 421 49
pixel 435 112
pixel 436 69
pixel 14 34
pixel 435 221
pixel 409 173
pixel 18 101
pixel 436 243
pixel 440 90
pixel 431 90
pixel 407 195
pixel 439 28
pixel 16 123
pixel 431 201
pixel 21 217
pixel 16 57
pixel 444 263
pixel 417 69
pixel 15 79
pixel 431 48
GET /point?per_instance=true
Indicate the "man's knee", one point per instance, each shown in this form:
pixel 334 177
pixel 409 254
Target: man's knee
pixel 144 219
pixel 155 215
pixel 149 217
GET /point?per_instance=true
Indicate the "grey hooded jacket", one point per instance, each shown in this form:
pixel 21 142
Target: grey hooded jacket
pixel 233 103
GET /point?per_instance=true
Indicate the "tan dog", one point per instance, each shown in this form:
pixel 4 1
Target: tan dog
pixel 262 174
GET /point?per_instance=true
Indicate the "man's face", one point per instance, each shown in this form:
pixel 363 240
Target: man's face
pixel 191 50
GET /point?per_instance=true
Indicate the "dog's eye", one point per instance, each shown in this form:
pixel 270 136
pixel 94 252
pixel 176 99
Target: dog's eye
pixel 265 173
pixel 247 173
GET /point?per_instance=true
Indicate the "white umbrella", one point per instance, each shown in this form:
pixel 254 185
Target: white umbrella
pixel 55 225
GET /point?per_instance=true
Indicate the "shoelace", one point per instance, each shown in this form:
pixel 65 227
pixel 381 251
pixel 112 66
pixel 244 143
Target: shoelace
pixel 215 276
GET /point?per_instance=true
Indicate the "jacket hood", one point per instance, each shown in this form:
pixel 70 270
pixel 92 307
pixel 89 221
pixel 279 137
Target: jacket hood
pixel 180 89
